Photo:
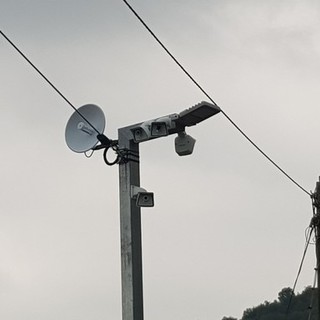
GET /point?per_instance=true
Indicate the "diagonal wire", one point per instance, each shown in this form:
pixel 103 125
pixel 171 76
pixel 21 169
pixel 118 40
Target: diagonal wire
pixel 300 268
pixel 48 81
pixel 209 97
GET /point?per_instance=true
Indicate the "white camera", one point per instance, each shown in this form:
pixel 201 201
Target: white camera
pixel 154 128
pixel 159 129
pixel 142 196
pixel 142 132
pixel 184 144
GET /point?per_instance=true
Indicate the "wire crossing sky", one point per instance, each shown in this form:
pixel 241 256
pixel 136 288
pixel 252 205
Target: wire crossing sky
pixel 48 81
pixel 185 71
pixel 209 97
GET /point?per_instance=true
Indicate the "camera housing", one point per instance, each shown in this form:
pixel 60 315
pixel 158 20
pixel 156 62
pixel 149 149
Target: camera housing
pixel 184 144
pixel 145 199
pixel 155 128
pixel 159 129
pixel 142 196
pixel 142 132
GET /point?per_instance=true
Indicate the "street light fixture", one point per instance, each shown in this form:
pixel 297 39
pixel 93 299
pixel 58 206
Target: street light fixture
pixel 81 137
pixel 173 123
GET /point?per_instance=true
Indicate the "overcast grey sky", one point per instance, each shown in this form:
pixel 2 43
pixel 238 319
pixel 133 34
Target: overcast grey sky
pixel 227 231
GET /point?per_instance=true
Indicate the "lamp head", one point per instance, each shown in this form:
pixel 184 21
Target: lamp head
pixel 197 113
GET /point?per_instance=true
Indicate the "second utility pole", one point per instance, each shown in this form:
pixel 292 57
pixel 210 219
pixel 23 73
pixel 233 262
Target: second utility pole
pixel 315 222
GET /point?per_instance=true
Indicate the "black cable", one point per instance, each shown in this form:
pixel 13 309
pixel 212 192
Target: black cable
pixel 49 82
pixel 307 233
pixel 265 155
pixel 209 97
pixel 300 268
pixel 110 163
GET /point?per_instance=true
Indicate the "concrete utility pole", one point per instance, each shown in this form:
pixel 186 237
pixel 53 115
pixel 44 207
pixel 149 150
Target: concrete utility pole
pixel 132 196
pixel 316 224
pixel 130 225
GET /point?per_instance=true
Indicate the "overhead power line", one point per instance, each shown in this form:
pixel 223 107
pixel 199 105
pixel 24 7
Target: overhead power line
pixel 183 69
pixel 48 81
pixel 210 98
pixel 311 230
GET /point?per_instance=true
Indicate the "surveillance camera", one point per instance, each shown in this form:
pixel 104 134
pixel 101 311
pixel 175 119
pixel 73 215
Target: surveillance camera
pixel 159 129
pixel 184 144
pixel 141 132
pixel 161 126
pixel 142 196
pixel 145 199
pixel 154 128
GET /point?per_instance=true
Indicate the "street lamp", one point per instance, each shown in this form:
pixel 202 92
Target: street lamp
pixel 82 137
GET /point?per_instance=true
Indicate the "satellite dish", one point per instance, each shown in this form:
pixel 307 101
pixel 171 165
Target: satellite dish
pixel 80 135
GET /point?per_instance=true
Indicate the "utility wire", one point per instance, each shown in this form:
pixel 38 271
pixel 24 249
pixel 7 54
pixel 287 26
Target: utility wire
pixel 209 97
pixel 49 82
pixel 300 268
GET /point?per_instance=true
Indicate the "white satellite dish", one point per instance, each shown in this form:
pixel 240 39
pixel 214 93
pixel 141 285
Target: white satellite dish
pixel 80 135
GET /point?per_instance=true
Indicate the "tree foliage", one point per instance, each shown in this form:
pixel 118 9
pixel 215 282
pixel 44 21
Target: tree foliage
pixel 287 307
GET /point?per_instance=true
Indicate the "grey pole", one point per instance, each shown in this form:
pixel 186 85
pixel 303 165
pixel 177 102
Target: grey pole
pixel 130 225
pixel 131 195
